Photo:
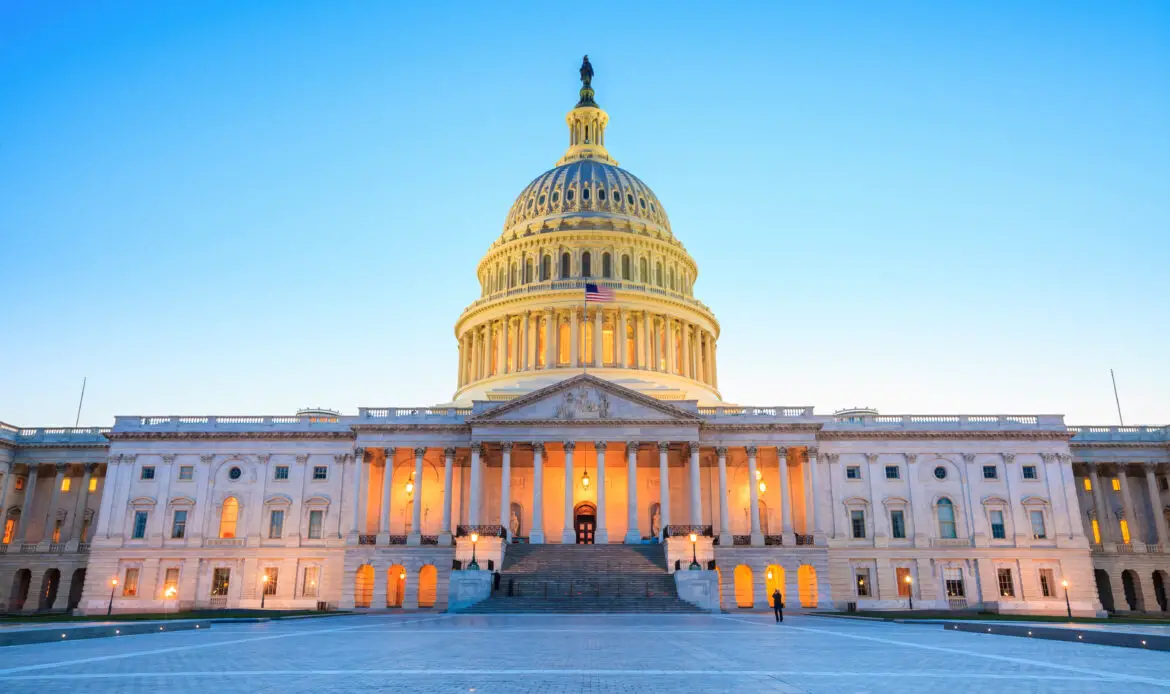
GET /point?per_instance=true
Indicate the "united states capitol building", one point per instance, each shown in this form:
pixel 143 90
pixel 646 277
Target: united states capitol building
pixel 579 428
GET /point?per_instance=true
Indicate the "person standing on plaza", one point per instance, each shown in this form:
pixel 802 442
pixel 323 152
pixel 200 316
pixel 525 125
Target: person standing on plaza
pixel 778 605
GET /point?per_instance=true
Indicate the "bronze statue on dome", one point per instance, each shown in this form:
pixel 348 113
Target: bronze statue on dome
pixel 586 73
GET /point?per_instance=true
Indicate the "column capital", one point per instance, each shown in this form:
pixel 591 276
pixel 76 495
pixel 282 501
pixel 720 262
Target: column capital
pixel 751 451
pixel 811 451
pixel 601 446
pixel 169 458
pixel 449 452
pixel 263 458
pixel 538 447
pixel 569 446
pixel 359 455
pixel 420 451
pixel 207 459
pixel 721 451
pixel 911 458
pixel 832 458
pixel 633 446
pixel 1064 457
pixel 113 459
pixel 61 469
pixel 1150 468
pixel 91 468
pixel 1008 458
pixel 341 458
pixel 664 446
pixel 968 458
pixel 388 452
pixel 782 451
pixel 302 458
pixel 694 447
pixel 1048 458
pixel 872 458
pixel 476 446
pixel 506 446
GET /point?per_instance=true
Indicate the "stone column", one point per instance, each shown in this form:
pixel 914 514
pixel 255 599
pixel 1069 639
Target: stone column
pixel 619 342
pixel 633 528
pixel 536 535
pixel 26 506
pixel 506 489
pixel 785 497
pixel 473 506
pixel 639 344
pixel 415 535
pixel 568 534
pixel 696 494
pixel 663 486
pixel 574 339
pixel 725 539
pixel 671 354
pixel 1127 505
pixel 714 365
pixel 754 497
pixel 526 346
pixel 598 338
pixel 359 462
pixel 1156 503
pixel 448 493
pixel 601 536
pixel 387 494
pixel 876 497
pixel 655 345
pixel 813 517
pixel 686 350
pixel 647 331
pixel 82 501
pixel 502 347
pixel 5 492
pixel 54 497
pixel 1104 525
pixel 462 369
pixel 550 339
pixel 475 347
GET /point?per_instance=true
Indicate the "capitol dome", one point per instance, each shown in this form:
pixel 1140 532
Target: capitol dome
pixel 587 225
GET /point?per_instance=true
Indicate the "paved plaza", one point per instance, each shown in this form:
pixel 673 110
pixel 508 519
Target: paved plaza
pixel 596 653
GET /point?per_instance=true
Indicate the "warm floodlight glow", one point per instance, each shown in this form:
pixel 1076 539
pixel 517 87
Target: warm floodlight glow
pixel 475 537
pixel 694 538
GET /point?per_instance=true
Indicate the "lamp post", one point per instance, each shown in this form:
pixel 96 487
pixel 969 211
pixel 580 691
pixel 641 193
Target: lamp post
pixel 1067 604
pixel 474 566
pixel 169 594
pixel 113 585
pixel 910 590
pixel 263 589
pixel 694 553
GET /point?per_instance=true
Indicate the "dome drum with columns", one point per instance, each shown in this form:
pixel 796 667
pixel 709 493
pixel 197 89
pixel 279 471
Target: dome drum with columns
pixel 587 221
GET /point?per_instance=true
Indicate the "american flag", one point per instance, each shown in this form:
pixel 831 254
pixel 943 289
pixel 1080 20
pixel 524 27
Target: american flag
pixel 596 293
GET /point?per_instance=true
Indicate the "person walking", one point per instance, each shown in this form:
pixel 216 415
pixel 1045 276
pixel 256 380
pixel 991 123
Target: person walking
pixel 778 605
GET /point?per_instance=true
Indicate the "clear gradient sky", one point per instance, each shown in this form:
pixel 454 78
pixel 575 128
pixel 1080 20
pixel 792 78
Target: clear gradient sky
pixel 251 207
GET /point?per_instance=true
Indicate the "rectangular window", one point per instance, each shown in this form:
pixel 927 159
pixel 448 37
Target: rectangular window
pixel 953 580
pixel 139 525
pixel 998 531
pixel 893 472
pixel 1088 485
pixel 281 472
pixel 898 524
pixel 1039 532
pixel 171 580
pixel 179 525
pixel 93 484
pixel 1047 583
pixel 320 472
pixel 186 472
pixel 901 574
pixel 9 530
pixel 315 520
pixel 147 472
pixel 1006 589
pixel 219 582
pixel 857 517
pixel 130 585
pixel 1029 472
pixel 853 472
pixel 270 584
pixel 989 472
pixel 1096 532
pixel 1124 531
pixel 275 525
pixel 20 483
pixel 65 484
pixel 1116 484
pixel 1163 484
pixel 309 588
pixel 863 584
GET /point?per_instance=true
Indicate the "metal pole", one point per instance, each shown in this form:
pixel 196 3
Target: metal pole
pixel 83 380
pixel 1116 399
pixel 1067 604
pixel 110 609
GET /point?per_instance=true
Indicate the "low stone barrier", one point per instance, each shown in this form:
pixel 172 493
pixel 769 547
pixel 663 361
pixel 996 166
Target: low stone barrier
pixel 467 588
pixel 16 636
pixel 1100 637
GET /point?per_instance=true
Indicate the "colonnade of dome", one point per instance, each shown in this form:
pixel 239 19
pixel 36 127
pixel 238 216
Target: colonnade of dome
pixel 587 221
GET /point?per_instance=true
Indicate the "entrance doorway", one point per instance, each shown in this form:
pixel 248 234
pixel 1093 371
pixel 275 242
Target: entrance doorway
pixel 585 522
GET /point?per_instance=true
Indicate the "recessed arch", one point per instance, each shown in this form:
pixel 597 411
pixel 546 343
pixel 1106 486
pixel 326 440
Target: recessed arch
pixel 395 585
pixel 806 579
pixel 428 586
pixel 229 515
pixel 363 588
pixel 743 587
pixel 773 581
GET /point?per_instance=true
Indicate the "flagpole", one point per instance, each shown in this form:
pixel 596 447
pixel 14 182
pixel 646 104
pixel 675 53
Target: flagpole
pixel 585 322
pixel 1116 398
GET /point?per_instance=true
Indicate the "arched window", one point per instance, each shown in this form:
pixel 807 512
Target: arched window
pixel 500 280
pixel 946 519
pixel 626 267
pixel 512 276
pixel 566 265
pixel 670 278
pixel 585 193
pixel 601 194
pixel 643 275
pixel 606 266
pixel 658 274
pixel 586 265
pixel 527 271
pixel 228 517
pixel 545 268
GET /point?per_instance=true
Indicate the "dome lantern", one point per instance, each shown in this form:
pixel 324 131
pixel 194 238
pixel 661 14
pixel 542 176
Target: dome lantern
pixel 587 123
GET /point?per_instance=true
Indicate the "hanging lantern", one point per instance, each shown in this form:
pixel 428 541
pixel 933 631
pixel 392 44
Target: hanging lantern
pixel 410 484
pixel 585 479
pixel 763 487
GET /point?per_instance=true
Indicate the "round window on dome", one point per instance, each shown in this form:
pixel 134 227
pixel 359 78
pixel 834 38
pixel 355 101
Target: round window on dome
pixel 584 193
pixel 540 201
pixel 601 194
pixel 569 195
pixel 629 199
pixel 642 202
pixel 530 201
pixel 556 196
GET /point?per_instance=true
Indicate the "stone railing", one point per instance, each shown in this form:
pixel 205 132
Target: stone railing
pixel 215 423
pixel 805 540
pixel 436 415
pixel 742 413
pixel 83 547
pixel 682 530
pixel 367 539
pixel 1119 433
pixel 916 422
pixel 225 542
pixel 52 435
pixel 396 540
pixel 579 286
pixel 773 540
pixel 950 542
pixel 481 530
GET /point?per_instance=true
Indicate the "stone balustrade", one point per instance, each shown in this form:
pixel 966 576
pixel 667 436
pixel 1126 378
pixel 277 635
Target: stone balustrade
pixel 917 422
pixel 1120 434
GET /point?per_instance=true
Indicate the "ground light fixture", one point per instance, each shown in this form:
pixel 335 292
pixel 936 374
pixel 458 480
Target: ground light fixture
pixel 474 566
pixel 694 553
pixel 263 589
pixel 113 585
pixel 909 589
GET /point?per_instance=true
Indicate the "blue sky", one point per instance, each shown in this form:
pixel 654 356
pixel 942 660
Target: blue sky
pixel 230 208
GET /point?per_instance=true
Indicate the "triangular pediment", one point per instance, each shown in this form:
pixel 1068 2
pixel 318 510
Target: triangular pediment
pixel 586 398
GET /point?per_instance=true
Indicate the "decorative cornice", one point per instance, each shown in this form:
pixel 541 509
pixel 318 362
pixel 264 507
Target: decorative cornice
pixel 943 435
pixel 231 435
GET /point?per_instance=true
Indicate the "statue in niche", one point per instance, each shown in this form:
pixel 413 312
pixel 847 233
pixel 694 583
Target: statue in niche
pixel 655 520
pixel 514 523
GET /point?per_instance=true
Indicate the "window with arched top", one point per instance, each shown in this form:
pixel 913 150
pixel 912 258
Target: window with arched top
pixel 500 280
pixel 527 271
pixel 658 274
pixel 512 276
pixel 670 278
pixel 566 265
pixel 545 268
pixel 585 193
pixel 586 264
pixel 626 267
pixel 606 266
pixel 228 517
pixel 642 273
pixel 946 519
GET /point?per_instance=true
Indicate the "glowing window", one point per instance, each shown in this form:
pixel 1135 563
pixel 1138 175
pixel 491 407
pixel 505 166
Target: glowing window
pixel 65 484
pixel 228 517
pixel 93 484
pixel 1088 485
pixel 1096 532
pixel 1006 588
pixel 1116 484
pixel 130 585
pixel 9 530
pixel 1124 531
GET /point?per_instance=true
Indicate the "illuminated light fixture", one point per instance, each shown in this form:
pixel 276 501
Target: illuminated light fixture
pixel 759 474
pixel 410 484
pixel 769 575
pixel 694 537
pixel 402 575
pixel 585 479
pixel 763 487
